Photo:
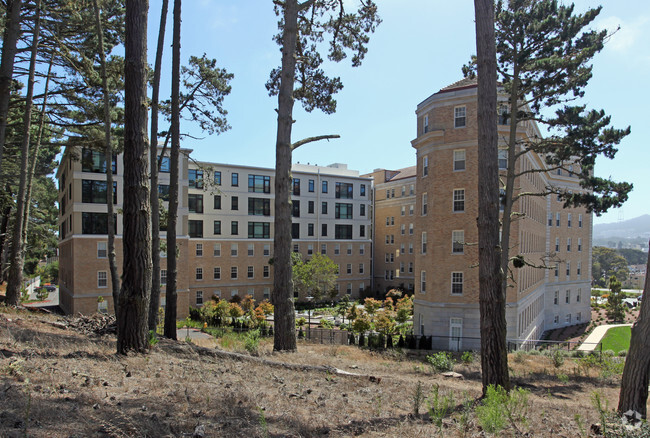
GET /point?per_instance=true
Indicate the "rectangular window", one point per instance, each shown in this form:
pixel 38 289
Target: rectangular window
pixel 323 230
pixel 165 164
pixel 349 249
pixel 361 268
pixel 403 229
pixel 362 209
pixel 267 249
pixel 579 221
pixel 342 231
pixel 195 228
pixel 349 268
pixel 295 231
pixel 460 113
pixel 250 272
pixel 102 250
pixel 217 227
pixel 216 275
pixel 556 297
pixel 568 269
pixel 579 244
pixel 567 297
pixel 266 271
pixel 295 208
pixel 550 219
pixel 503 159
pixel 234 228
pixel 310 249
pixel 259 207
pixel 557 244
pixel 344 190
pixel 424 242
pixel 199 250
pixel 349 289
pixel 362 249
pixel 337 249
pixel 424 204
pixel 568 220
pixel 251 249
pixel 217 178
pixel 310 207
pixel 457 241
pixel 216 251
pixel 456 283
pixel 259 184
pixel 199 298
pixel 234 203
pixel 95 161
pixel 324 187
pixel 217 202
pixel 323 208
pixel 234 179
pixel 423 282
pixel 410 267
pixel 362 190
pixel 234 249
pixel 163 192
pixel 557 270
pixel 102 279
pixel 425 165
pixel 343 211
pixel 233 273
pixel 568 244
pixel 195 203
pixel 310 230
pixel 403 210
pixel 579 268
pixel 459 160
pixel 410 248
pixel 94 192
pixel 195 178
pixel 557 219
pixel 199 274
pixel 296 186
pixel 323 249
pixel 425 124
pixel 163 277
pixel 259 230
pixel 311 186
pixel 459 200
pixel 362 231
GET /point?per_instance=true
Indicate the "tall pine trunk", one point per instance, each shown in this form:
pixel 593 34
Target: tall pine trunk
pixel 108 152
pixel 634 383
pixel 284 316
pixel 153 169
pixel 170 298
pixel 16 257
pixel 494 355
pixel 136 273
pixel 10 39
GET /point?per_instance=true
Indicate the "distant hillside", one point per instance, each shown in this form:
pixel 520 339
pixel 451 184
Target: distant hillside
pixel 637 227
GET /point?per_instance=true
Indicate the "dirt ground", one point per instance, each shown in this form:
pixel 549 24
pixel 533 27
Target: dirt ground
pixel 57 382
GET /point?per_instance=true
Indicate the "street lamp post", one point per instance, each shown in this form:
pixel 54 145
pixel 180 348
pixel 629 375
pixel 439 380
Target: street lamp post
pixel 309 298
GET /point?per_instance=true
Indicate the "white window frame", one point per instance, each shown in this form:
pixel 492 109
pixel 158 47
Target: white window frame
pixel 423 282
pixel 458 197
pixel 458 242
pixel 425 201
pixel 424 242
pixel 251 250
pixel 102 279
pixel 198 274
pixel 199 298
pixel 100 250
pixel 216 250
pixel 457 280
pixel 163 277
pixel 460 160
pixel 234 250
pixel 425 166
pixel 460 116
pixel 216 273
pixel 199 250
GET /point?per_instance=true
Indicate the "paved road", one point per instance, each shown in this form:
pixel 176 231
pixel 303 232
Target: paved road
pixel 52 300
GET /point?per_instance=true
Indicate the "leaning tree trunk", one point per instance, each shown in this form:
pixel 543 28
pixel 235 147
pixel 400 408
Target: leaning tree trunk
pixel 283 316
pixel 10 39
pixel 171 296
pixel 634 383
pixel 108 152
pixel 16 258
pixel 494 354
pixel 136 271
pixel 153 168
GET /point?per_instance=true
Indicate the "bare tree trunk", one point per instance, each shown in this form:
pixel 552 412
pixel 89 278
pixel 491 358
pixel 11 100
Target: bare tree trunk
pixel 35 150
pixel 108 152
pixel 170 298
pixel 284 317
pixel 10 39
pixel 153 166
pixel 634 383
pixel 16 258
pixel 494 354
pixel 136 272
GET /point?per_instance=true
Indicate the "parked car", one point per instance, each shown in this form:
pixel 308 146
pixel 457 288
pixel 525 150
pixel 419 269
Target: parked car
pixel 50 288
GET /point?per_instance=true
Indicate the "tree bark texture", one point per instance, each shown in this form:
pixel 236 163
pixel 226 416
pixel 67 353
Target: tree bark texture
pixel 171 296
pixel 492 297
pixel 136 274
pixel 634 383
pixel 10 39
pixel 284 316
pixel 16 258
pixel 108 152
pixel 153 169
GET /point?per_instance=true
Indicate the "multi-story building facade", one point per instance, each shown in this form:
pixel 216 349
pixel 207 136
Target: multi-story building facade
pixel 446 291
pixel 225 228
pixel 394 229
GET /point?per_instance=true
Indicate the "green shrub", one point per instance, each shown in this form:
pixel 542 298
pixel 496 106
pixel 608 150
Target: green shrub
pixel 557 358
pixel 519 356
pixel 609 353
pixel 252 342
pixel 622 353
pixel 439 407
pixel 467 357
pixel 500 409
pixel 326 323
pixel 441 361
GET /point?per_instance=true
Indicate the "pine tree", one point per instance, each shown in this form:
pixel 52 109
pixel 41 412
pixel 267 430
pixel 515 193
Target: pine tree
pixel 615 306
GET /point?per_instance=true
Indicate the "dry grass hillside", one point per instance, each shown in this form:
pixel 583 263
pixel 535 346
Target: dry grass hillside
pixel 59 382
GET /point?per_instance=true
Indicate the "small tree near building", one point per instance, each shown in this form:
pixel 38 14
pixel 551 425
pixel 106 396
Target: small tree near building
pixel 615 306
pixel 315 277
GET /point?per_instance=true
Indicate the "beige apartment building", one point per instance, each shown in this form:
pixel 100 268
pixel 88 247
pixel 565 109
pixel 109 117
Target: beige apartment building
pixel 225 228
pixel 394 229
pixel 446 257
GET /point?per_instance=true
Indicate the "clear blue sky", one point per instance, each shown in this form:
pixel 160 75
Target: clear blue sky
pixel 418 49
